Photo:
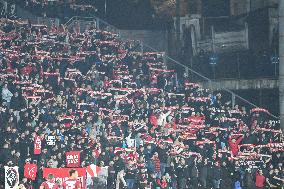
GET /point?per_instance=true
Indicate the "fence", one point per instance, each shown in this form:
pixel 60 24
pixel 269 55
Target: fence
pixel 97 22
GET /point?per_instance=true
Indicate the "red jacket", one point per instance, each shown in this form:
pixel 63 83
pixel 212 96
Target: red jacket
pixel 234 146
pixel 259 180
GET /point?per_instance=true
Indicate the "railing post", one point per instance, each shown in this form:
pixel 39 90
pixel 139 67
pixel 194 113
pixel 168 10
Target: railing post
pixel 233 100
pixel 98 23
pixel 176 80
pixel 213 38
pixel 141 47
pixel 211 87
pixel 165 60
pixel 187 71
pixel 281 63
pixel 247 35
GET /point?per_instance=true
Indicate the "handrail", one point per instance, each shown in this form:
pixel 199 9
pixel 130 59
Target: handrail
pixel 70 20
pixel 93 18
pixel 175 61
pixel 244 78
pixel 191 70
pixel 209 80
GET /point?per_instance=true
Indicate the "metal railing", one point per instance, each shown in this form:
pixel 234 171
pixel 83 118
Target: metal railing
pixel 197 77
pixel 171 63
pixel 99 23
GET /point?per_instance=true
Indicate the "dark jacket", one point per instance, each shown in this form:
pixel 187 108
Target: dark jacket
pixel 217 173
pixel 203 171
pixel 182 172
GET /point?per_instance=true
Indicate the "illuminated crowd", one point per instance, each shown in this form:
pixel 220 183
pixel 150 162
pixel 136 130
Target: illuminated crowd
pixel 89 91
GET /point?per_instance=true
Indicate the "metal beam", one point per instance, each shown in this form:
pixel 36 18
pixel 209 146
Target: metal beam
pixel 178 25
pixel 281 64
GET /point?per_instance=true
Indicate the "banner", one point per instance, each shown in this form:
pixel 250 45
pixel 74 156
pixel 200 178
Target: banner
pixel 73 159
pixel 30 171
pixel 37 145
pixel 50 140
pixel 11 177
pixel 62 174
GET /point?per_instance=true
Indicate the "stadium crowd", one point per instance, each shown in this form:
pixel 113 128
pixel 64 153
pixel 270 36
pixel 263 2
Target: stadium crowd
pixel 124 109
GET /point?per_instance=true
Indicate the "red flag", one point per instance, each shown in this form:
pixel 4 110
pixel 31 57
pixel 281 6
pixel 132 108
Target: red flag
pixel 37 145
pixel 73 159
pixel 30 171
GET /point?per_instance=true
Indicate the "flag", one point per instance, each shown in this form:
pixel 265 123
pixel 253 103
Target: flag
pixel 11 177
pixel 37 145
pixel 73 159
pixel 93 170
pixel 30 171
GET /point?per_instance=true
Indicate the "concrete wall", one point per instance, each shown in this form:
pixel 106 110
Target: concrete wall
pixel 155 39
pixel 258 4
pixel 225 41
pixel 242 84
pixel 273 22
pixel 239 7
pixel 236 40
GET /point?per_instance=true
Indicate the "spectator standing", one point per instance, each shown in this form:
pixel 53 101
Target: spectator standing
pixel 233 143
pixel 259 179
pixel 157 164
pixel 120 181
pixel 203 172
pixel 182 174
pixel 6 95
pixel 217 175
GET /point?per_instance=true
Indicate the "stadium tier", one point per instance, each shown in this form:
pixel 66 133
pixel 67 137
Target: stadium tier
pixel 87 101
